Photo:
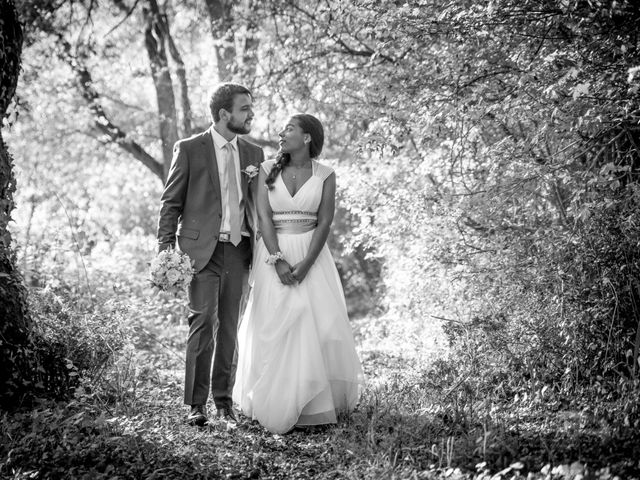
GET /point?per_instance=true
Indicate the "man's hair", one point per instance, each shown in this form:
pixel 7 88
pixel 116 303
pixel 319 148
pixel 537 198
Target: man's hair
pixel 223 96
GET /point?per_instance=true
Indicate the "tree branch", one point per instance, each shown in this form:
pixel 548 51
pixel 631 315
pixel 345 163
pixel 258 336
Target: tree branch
pixel 110 133
pixel 127 13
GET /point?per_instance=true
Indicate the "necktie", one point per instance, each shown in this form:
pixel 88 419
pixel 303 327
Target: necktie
pixel 234 197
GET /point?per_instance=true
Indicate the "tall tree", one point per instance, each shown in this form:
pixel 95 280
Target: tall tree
pixel 82 44
pixel 156 40
pixel 221 20
pixel 234 26
pixel 15 324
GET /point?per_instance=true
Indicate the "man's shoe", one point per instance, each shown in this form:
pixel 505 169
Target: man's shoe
pixel 228 414
pixel 197 416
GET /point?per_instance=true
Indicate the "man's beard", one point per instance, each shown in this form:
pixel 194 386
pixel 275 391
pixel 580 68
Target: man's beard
pixel 238 128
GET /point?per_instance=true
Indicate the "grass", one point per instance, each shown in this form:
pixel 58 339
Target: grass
pixel 410 424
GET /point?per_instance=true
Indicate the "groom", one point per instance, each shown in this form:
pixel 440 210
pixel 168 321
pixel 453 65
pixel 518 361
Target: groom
pixel 208 207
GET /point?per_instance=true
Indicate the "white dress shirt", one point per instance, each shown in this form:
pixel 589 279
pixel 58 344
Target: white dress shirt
pixel 218 143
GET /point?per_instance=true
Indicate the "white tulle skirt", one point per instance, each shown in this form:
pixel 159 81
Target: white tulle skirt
pixel 297 362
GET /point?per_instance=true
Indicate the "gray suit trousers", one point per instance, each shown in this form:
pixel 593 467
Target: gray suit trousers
pixel 214 303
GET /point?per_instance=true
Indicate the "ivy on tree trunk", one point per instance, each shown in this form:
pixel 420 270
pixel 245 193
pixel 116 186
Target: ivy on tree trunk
pixel 15 325
pixel 31 365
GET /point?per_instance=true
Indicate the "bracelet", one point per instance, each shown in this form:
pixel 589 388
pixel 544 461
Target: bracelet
pixel 274 257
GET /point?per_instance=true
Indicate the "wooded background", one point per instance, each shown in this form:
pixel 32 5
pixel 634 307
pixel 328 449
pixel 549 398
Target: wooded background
pixel 488 167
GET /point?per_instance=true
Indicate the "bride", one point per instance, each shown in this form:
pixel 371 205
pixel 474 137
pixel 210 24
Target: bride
pixel 297 360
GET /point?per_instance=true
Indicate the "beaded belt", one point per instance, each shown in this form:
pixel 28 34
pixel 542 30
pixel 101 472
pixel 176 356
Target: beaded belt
pixel 294 221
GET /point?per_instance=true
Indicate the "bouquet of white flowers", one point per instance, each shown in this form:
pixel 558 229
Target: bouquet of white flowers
pixel 171 271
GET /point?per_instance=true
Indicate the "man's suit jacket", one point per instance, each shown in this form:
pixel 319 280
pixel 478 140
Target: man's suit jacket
pixel 191 208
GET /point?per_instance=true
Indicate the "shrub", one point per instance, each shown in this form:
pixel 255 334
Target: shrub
pixel 82 338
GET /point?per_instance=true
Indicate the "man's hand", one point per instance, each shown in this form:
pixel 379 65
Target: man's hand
pixel 165 246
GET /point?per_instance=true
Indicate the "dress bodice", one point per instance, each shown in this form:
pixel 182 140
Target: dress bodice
pixel 297 213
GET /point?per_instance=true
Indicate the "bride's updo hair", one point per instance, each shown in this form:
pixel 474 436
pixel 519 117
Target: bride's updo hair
pixel 308 124
pixel 311 125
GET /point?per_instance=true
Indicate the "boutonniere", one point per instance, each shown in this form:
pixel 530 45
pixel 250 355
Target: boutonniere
pixel 251 171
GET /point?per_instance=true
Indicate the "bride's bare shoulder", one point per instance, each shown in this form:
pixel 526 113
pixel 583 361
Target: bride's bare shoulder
pixel 322 170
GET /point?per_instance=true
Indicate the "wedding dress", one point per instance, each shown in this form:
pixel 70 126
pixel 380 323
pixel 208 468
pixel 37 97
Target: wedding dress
pixel 297 361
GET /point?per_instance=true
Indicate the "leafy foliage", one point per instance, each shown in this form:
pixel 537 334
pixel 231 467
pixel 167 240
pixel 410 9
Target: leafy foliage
pixel 413 422
pixel 74 442
pixel 499 153
pixel 84 340
pixel 487 158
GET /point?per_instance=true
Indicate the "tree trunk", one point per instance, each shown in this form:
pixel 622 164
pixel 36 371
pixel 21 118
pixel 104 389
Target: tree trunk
pixel 154 37
pixel 187 121
pixel 15 319
pixel 15 324
pixel 223 37
pixel 247 56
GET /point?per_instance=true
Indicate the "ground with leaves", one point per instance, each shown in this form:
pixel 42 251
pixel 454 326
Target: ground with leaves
pixel 405 427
